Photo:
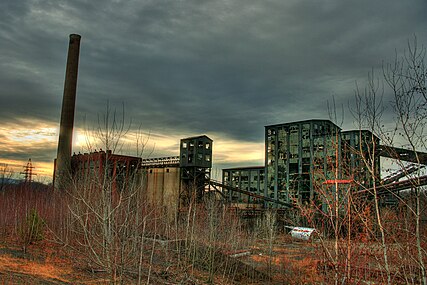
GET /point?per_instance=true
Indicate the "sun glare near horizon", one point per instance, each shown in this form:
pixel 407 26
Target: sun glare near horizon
pixel 38 142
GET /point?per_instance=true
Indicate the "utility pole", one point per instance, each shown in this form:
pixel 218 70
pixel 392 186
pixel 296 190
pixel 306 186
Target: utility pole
pixel 28 172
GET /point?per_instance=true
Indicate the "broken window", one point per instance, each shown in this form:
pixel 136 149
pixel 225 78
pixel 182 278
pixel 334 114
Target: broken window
pixel 271 132
pixel 306 151
pixel 184 144
pixel 306 168
pixel 199 156
pixel 293 168
pixel 207 146
pixel 226 176
pixel 282 155
pixel 200 144
pixel 207 157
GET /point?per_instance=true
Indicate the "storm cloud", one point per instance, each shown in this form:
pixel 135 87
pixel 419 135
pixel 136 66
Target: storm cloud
pixel 222 68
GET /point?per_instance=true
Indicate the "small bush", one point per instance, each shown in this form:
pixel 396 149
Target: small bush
pixel 31 229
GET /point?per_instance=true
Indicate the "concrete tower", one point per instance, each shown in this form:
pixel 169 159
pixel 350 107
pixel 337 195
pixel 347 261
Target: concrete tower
pixel 63 158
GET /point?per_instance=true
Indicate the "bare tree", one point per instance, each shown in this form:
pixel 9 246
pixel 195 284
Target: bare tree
pixel 6 173
pixel 407 78
pixel 368 113
pixel 109 215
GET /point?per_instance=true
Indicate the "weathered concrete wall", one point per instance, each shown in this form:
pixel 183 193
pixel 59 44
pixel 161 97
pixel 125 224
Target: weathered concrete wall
pixel 162 188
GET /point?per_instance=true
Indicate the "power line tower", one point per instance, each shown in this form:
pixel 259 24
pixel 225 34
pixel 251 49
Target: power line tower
pixel 28 172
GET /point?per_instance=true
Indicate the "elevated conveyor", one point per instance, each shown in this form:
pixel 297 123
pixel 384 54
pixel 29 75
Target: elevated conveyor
pixel 394 177
pixel 402 154
pixel 381 189
pixel 396 186
pixel 234 189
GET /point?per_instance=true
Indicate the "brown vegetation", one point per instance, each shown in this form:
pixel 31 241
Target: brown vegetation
pixel 196 248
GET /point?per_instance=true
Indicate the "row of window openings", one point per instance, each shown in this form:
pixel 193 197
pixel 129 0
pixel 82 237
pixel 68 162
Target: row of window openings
pixel 238 197
pixel 199 144
pixel 300 185
pixel 93 165
pixel 199 157
pixel 316 161
pixel 294 147
pixel 245 178
pixel 254 172
pixel 305 129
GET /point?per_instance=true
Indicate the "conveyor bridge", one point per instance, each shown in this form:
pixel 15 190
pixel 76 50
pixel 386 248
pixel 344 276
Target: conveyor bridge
pixel 381 190
pixel 248 193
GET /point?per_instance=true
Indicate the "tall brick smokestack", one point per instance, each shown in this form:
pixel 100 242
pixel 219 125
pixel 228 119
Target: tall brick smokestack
pixel 63 158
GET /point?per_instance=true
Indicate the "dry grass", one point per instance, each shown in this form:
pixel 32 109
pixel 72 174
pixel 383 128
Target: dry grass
pixel 290 262
pixel 45 270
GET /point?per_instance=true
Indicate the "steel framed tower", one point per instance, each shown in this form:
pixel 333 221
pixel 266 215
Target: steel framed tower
pixel 195 167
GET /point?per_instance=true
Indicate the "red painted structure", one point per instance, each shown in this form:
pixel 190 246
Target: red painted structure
pixel 100 164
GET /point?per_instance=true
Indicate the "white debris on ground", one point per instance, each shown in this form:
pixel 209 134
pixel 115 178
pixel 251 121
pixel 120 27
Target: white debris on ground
pixel 301 233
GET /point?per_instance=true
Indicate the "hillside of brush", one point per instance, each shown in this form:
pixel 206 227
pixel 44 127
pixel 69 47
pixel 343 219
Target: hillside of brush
pixel 63 238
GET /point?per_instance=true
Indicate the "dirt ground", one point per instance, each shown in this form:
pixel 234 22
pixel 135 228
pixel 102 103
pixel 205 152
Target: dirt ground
pixel 47 263
pixel 22 269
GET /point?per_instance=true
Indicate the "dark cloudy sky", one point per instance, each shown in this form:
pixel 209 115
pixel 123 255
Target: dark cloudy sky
pixel 188 67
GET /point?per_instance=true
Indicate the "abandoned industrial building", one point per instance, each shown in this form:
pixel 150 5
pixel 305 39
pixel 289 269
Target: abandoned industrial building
pixel 300 158
pixel 166 182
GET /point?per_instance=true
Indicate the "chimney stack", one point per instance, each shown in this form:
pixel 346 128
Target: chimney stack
pixel 62 173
